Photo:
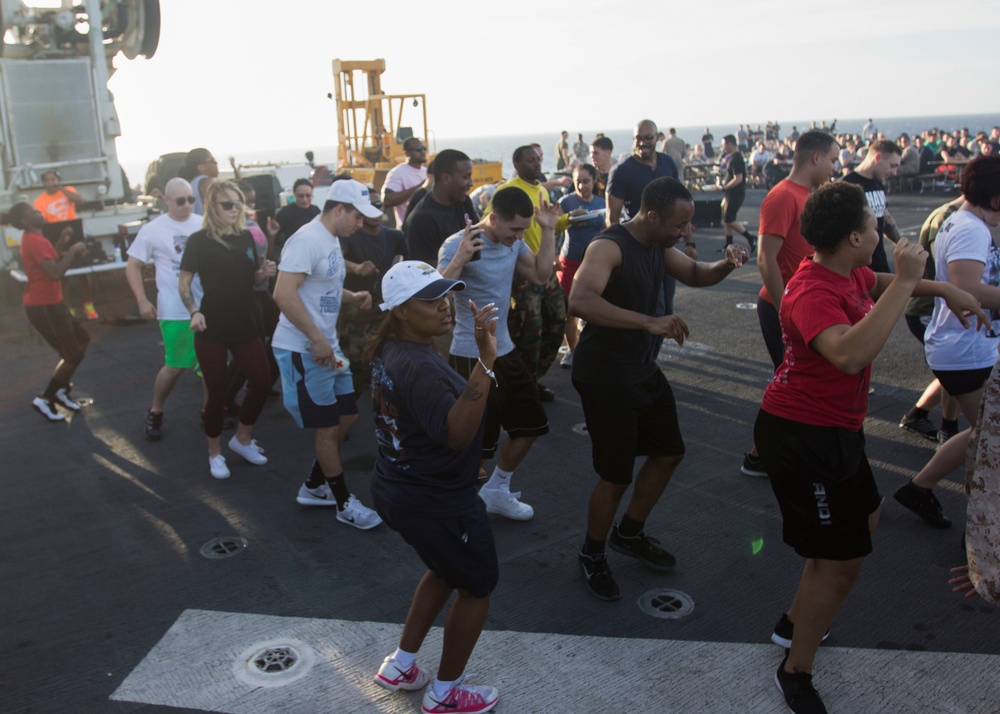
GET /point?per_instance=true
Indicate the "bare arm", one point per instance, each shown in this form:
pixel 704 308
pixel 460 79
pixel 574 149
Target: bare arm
pixel 967 275
pixel 851 348
pixel 537 268
pixel 394 198
pixel 701 275
pixel 133 275
pixel 55 269
pixel 466 413
pixel 602 259
pixel 614 212
pixel 735 181
pixel 767 264
pixel 72 194
pixel 184 289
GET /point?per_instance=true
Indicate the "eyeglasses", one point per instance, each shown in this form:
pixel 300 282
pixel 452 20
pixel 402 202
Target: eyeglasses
pixel 186 199
pixel 303 195
pixel 228 205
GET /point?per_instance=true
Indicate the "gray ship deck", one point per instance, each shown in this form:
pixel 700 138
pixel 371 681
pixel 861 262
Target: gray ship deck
pixel 109 607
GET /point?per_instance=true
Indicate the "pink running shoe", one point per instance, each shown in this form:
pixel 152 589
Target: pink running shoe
pixel 464 698
pixel 393 677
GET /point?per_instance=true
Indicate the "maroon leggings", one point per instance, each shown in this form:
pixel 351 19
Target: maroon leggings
pixel 251 357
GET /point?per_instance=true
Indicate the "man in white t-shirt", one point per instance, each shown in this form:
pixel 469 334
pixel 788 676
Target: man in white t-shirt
pixel 316 378
pixel 404 179
pixel 161 242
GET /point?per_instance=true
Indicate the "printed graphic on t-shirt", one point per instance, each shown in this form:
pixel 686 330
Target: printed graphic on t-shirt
pixel 330 302
pixel 876 199
pixel 333 263
pixel 386 428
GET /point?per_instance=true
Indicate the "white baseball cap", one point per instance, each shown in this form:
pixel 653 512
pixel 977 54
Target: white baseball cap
pixel 414 279
pixel 354 193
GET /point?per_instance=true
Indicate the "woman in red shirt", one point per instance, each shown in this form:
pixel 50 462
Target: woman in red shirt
pixel 809 429
pixel 44 265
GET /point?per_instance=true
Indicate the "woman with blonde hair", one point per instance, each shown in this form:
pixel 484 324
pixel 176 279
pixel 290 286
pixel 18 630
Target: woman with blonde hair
pixel 224 255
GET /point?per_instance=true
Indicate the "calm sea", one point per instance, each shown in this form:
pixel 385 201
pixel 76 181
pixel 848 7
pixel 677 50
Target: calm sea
pixel 500 148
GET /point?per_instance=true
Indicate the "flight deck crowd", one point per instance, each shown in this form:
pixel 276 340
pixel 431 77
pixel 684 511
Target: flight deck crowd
pixel 453 317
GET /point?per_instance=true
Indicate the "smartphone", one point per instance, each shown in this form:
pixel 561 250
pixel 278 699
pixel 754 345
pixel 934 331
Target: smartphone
pixel 478 254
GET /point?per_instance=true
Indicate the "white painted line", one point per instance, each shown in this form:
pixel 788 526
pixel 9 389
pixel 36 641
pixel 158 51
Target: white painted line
pixel 193 667
pixel 671 350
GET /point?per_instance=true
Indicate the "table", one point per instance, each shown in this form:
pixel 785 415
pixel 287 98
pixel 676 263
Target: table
pixel 20 277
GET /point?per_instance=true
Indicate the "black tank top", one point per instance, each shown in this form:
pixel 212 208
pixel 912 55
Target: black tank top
pixel 613 354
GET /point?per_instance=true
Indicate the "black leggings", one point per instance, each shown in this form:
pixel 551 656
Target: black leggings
pixel 250 356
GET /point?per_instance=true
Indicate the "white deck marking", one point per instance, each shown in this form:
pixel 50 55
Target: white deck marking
pixel 194 666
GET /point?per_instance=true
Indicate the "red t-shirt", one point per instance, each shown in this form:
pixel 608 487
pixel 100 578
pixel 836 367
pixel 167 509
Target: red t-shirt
pixel 40 289
pixel 806 387
pixel 779 216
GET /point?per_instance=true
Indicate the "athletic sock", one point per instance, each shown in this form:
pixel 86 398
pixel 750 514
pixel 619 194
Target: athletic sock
pixel 441 688
pixel 316 476
pixel 51 389
pixel 916 413
pixel 591 546
pixel 629 527
pixel 404 658
pixel 339 488
pixel 729 240
pixel 500 479
pixel 948 425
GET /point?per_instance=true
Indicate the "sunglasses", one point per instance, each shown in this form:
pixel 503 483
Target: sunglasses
pixel 186 199
pixel 228 205
pixel 303 195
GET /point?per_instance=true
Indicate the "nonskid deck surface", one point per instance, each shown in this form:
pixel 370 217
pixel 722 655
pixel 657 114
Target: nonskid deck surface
pixel 109 605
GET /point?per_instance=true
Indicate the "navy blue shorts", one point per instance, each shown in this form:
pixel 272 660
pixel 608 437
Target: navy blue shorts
pixel 459 549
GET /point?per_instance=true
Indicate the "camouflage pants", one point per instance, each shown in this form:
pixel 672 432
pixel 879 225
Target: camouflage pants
pixel 537 322
pixel 354 328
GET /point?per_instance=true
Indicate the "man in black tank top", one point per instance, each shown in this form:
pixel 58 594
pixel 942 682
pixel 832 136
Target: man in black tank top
pixel 627 402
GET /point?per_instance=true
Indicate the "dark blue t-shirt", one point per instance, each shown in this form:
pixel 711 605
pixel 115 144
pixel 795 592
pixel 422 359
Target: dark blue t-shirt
pixel 628 178
pixel 413 390
pixel 579 235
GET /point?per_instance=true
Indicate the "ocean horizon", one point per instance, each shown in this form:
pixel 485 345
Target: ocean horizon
pixel 501 147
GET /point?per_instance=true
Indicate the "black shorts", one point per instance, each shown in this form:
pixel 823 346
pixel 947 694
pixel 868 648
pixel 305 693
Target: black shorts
pixel 824 486
pixel 59 328
pixel 629 420
pixel 770 328
pixel 918 325
pixel 514 405
pixel 962 381
pixel 731 204
pixel 459 549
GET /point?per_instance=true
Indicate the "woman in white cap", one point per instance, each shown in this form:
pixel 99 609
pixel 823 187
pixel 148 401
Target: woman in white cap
pixel 429 427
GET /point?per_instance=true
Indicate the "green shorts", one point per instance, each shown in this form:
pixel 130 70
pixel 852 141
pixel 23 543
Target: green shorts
pixel 178 344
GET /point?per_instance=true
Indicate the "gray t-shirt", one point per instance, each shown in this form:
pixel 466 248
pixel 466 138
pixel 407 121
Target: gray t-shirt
pixel 487 280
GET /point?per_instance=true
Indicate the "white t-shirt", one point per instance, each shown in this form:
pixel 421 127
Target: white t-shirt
pixel 161 242
pixel 314 251
pixel 401 177
pixel 947 345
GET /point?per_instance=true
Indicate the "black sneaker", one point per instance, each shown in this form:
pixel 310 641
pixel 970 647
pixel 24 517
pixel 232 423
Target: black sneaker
pixel 800 695
pixel 154 422
pixel 646 549
pixel 753 466
pixel 783 630
pixel 944 434
pixel 545 394
pixel 924 427
pixel 752 240
pixel 597 575
pixel 924 503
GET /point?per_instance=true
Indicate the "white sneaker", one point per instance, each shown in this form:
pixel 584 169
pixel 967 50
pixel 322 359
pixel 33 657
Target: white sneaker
pixel 505 503
pixel 47 409
pixel 217 465
pixel 322 496
pixel 393 677
pixel 465 698
pixel 354 513
pixel 567 361
pixel 62 396
pixel 251 452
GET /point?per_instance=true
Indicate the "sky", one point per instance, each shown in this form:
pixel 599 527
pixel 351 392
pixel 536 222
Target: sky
pixel 248 75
